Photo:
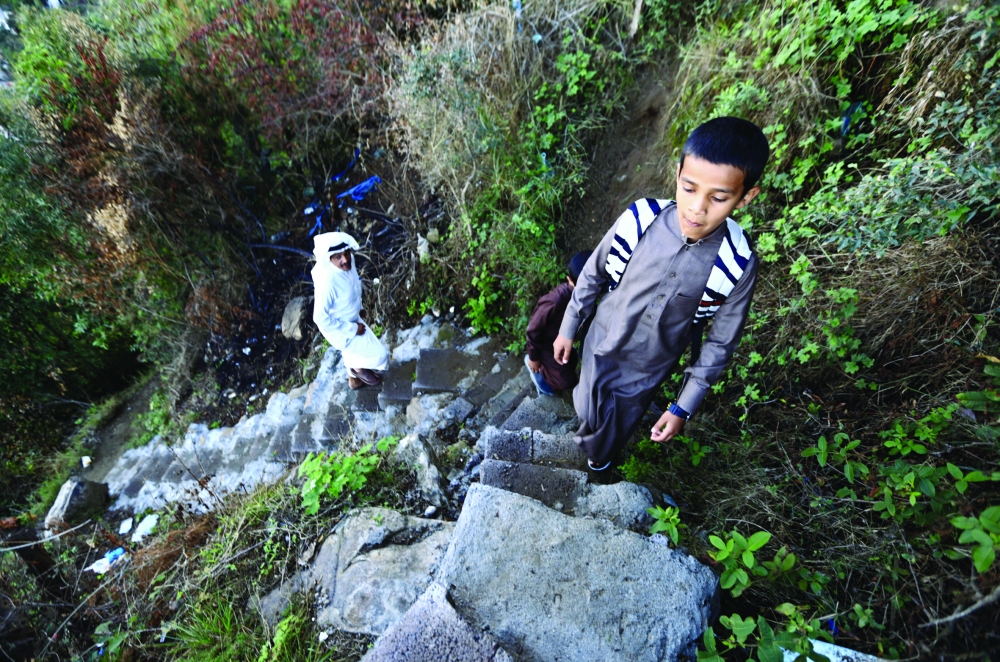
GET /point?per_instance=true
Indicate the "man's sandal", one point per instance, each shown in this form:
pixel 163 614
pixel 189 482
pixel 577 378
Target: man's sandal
pixel 366 376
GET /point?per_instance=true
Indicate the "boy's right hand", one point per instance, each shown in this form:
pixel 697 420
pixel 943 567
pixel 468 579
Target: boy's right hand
pixel 562 348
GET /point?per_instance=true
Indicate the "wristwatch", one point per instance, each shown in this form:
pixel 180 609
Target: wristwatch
pixel 677 411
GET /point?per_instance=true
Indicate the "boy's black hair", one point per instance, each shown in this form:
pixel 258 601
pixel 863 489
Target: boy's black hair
pixel 730 141
pixel 577 263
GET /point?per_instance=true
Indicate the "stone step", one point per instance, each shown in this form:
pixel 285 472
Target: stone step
pixel 193 465
pixel 431 631
pixel 305 436
pixel 279 446
pixel 499 408
pixel 566 490
pixel 533 447
pixel 557 488
pixel 365 399
pixel 156 462
pixel 245 450
pixel 551 414
pixel 397 387
pixel 493 382
pixel 446 371
pixel 552 587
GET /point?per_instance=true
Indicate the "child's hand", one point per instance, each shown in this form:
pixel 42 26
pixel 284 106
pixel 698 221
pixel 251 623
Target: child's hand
pixel 534 366
pixel 562 348
pixel 668 427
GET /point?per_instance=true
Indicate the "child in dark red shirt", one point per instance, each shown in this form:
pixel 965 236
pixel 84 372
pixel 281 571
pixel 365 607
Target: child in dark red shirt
pixel 548 375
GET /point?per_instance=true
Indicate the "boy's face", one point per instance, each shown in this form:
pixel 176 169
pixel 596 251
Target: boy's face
pixel 706 194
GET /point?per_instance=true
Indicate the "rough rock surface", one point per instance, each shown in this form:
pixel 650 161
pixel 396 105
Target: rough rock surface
pixel 552 587
pixel 77 499
pixel 431 631
pixel 567 490
pixel 296 311
pixel 413 452
pixel 368 573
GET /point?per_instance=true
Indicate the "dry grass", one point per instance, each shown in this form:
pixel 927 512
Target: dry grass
pixel 160 557
pixel 453 93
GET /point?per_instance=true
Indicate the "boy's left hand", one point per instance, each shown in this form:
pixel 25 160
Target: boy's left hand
pixel 668 427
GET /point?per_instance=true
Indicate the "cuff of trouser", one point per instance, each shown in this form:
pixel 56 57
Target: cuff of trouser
pixel 690 398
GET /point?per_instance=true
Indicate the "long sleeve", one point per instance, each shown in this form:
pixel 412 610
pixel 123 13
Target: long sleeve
pixel 537 326
pixel 723 339
pixel 589 285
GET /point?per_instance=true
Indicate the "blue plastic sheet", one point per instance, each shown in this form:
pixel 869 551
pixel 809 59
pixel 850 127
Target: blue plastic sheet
pixel 313 206
pixel 358 193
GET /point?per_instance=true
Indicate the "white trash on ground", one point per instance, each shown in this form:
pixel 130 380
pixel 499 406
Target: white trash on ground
pixel 145 527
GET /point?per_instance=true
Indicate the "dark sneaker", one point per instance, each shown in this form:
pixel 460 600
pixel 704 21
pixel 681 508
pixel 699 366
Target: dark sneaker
pixel 594 467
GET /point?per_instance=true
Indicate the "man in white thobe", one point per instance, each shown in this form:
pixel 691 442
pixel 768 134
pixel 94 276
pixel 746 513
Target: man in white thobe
pixel 337 309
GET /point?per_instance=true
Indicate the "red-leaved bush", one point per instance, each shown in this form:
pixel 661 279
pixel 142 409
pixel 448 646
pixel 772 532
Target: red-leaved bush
pixel 305 65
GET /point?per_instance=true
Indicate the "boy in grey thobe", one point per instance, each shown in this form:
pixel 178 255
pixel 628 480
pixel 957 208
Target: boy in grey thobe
pixel 643 326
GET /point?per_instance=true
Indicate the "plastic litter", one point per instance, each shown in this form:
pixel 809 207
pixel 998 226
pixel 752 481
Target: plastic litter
pixel 337 178
pixel 359 192
pixel 103 565
pixel 145 527
pixel 430 512
pixel 125 526
pixel 86 461
pixel 319 222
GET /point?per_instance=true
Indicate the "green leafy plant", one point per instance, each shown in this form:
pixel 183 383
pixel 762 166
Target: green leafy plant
pixel 765 645
pixel 736 554
pixel 962 479
pixel 984 531
pixel 155 421
pixel 903 439
pixel 331 475
pixel 986 401
pixel 864 617
pixel 668 520
pixel 698 452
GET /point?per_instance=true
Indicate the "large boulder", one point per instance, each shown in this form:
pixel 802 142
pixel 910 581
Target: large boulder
pixel 552 587
pixel 77 500
pixel 296 312
pixel 369 572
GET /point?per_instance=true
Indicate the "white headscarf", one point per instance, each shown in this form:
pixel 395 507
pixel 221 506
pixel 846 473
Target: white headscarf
pixel 328 243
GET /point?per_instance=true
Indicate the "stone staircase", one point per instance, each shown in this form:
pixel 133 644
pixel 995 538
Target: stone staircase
pixel 543 563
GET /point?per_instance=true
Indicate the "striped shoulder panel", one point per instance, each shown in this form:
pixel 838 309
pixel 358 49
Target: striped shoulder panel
pixel 630 227
pixel 734 255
